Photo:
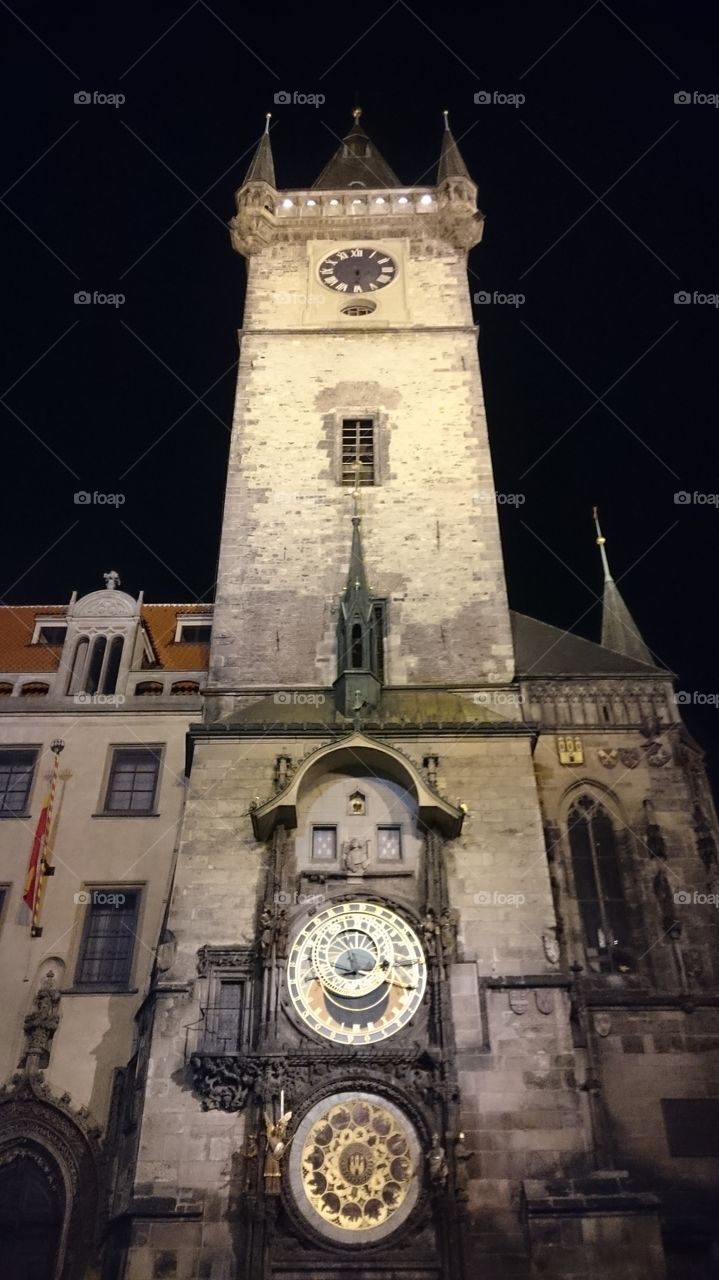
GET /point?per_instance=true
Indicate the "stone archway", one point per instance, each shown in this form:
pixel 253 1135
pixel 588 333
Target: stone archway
pixel 50 1172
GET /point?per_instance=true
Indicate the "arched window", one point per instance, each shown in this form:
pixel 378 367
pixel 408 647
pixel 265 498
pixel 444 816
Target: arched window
pixel 598 886
pixel 34 689
pixel 357 645
pixel 185 688
pixel 92 679
pixel 5 689
pixel 149 689
pixel 31 1214
pixel 74 684
pixel 114 658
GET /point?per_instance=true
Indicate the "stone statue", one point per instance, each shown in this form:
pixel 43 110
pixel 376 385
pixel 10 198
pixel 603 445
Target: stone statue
pixel 356 856
pixel 282 929
pixel 448 935
pixel 430 929
pixel 462 1157
pixel 277 1145
pixel 41 1023
pixel 437 1164
pixel 267 933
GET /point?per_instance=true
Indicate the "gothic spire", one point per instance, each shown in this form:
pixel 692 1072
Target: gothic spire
pixel 262 166
pixel 356 163
pixel 451 164
pixel 357 598
pixel 619 630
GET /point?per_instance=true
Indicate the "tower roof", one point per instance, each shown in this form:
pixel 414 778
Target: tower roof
pixel 357 597
pixel 451 164
pixel 262 165
pixel 619 630
pixel 356 163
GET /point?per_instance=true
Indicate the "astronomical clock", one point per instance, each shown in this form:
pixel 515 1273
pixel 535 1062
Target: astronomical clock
pixel 341 1010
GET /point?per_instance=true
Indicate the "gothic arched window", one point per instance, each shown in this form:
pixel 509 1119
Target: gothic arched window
pixel 112 668
pixel 598 886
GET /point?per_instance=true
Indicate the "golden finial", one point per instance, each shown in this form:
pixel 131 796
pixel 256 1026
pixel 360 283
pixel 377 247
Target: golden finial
pixel 356 114
pixel 600 543
pixel 268 117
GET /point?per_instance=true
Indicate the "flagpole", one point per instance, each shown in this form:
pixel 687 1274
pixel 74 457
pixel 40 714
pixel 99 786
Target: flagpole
pixel 43 865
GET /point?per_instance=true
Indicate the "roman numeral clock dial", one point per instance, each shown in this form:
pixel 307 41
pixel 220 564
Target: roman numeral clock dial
pixel 356 973
pixel 358 270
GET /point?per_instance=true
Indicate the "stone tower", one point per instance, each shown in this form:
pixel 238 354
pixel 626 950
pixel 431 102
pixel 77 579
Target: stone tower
pixel 424 897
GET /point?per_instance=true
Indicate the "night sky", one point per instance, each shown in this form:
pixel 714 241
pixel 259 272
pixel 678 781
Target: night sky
pixel 600 192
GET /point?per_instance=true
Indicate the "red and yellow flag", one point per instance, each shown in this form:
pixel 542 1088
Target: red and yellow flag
pixel 39 864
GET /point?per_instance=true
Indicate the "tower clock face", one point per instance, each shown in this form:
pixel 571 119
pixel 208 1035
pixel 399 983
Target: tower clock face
pixel 359 270
pixel 356 973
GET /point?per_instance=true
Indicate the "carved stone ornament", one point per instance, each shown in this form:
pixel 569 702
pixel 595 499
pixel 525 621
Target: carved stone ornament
pixel 544 1000
pixel 629 757
pixel 550 942
pixel 657 754
pixel 41 1023
pixel 570 750
pixel 225 1082
pixel 602 1024
pixel 437 1164
pixel 608 756
pixel 355 856
pixel 518 1001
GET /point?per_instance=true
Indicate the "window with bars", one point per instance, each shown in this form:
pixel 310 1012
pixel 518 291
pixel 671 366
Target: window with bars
pixel 16 771
pixel 598 886
pixel 108 938
pixel 324 844
pixel 358 453
pixel 389 844
pixel 133 781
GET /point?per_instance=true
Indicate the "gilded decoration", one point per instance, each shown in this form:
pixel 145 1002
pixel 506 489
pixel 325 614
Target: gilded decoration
pixel 357 1167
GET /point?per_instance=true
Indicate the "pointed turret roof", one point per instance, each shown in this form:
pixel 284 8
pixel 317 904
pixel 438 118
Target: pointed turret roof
pixel 619 630
pixel 451 164
pixel 356 163
pixel 262 166
pixel 357 598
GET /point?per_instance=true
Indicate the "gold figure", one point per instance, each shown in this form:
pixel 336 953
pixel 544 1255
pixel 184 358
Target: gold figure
pixel 277 1145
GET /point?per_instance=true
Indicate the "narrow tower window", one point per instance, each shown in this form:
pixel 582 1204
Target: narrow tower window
pixel 97 657
pixel 358 465
pixel 109 683
pixel 357 645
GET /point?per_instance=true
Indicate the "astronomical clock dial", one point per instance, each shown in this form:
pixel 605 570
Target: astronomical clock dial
pixel 356 973
pixel 359 270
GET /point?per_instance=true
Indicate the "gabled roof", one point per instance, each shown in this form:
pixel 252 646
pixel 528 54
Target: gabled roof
pixel 356 163
pixel 544 650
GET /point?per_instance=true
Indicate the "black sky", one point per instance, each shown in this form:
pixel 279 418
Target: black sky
pixel 135 199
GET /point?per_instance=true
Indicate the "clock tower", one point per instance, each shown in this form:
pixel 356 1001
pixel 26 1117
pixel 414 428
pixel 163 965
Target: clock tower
pixel 368 1052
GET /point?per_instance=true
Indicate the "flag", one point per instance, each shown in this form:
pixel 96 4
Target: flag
pixel 38 866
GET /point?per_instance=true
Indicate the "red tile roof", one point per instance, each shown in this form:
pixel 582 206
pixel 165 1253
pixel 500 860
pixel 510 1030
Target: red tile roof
pixel 17 624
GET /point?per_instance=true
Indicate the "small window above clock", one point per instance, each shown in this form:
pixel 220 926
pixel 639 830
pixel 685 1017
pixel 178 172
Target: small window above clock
pixel 358 461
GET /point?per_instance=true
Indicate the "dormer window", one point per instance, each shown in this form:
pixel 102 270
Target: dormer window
pixel 196 629
pixel 49 631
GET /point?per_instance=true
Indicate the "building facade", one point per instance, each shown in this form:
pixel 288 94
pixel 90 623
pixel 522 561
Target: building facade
pixel 423 975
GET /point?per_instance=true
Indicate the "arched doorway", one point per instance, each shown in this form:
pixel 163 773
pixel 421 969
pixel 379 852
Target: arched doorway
pixel 31 1218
